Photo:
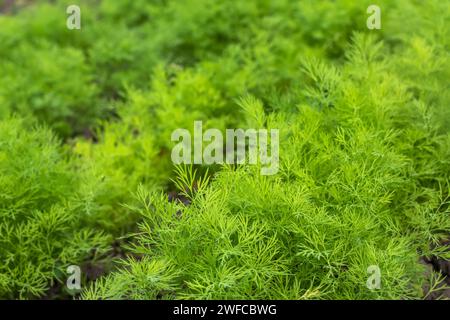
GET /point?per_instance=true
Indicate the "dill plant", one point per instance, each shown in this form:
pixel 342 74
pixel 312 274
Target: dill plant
pixel 42 213
pixel 364 159
pixel 364 180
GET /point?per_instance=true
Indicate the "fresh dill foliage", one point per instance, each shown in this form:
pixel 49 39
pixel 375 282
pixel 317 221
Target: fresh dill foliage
pixel 86 118
pixel 43 223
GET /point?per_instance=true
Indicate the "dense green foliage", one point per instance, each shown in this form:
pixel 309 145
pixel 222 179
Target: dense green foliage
pixel 43 212
pixel 87 116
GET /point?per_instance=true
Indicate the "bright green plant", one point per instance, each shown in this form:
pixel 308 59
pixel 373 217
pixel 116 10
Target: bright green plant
pixel 364 156
pixel 42 212
pixel 364 181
